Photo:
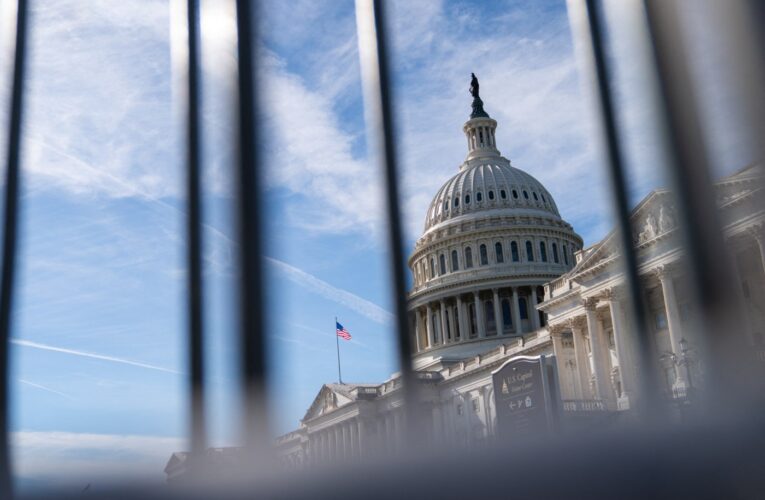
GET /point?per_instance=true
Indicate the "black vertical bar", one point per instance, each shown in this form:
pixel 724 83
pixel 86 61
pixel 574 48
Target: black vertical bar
pixel 10 242
pixel 252 321
pixel 690 170
pixel 395 233
pixel 194 234
pixel 648 390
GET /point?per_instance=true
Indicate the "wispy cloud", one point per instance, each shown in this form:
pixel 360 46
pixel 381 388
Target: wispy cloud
pixel 47 389
pixel 345 298
pixel 92 355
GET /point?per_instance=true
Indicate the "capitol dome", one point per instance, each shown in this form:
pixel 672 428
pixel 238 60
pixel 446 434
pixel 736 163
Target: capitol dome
pixel 492 237
pixel 492 186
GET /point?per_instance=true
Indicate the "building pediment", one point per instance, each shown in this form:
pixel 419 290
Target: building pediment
pixel 334 396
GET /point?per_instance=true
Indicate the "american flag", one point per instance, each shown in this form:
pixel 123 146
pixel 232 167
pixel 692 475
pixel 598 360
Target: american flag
pixel 342 332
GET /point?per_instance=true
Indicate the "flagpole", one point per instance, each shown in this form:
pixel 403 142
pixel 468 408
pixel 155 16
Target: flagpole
pixel 337 342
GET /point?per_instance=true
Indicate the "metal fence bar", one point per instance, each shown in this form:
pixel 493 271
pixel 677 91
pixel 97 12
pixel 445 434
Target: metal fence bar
pixel 648 400
pixel 10 240
pixel 382 130
pixel 252 338
pixel 194 235
pixel 690 173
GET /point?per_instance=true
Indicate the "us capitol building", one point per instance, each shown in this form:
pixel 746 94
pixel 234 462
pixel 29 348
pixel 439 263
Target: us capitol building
pixel 498 274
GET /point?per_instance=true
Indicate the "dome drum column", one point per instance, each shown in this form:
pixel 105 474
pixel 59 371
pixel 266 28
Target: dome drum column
pixel 461 316
pixel 417 329
pixel 429 326
pixel 479 315
pixel 444 329
pixel 498 319
pixel 452 324
pixel 518 326
pixel 535 323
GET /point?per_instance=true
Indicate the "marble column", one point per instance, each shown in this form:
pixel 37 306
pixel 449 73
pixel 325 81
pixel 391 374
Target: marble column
pixel 430 327
pixel 361 438
pixel 452 324
pixel 479 315
pixel 557 342
pixel 444 329
pixel 498 312
pixel 580 353
pixel 417 329
pixel 673 325
pixel 602 387
pixel 622 350
pixel 533 309
pixel 347 440
pixel 516 309
pixel 461 319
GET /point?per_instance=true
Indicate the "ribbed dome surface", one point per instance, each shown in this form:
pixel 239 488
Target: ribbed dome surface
pixel 492 185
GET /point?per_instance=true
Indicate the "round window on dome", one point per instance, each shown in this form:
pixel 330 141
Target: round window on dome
pixel 478 196
pixel 515 194
pixel 491 195
pixel 525 194
pixel 536 198
pixel 467 199
pixel 503 194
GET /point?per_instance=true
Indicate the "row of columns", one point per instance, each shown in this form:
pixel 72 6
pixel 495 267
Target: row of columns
pixel 340 441
pixel 460 326
pixel 624 344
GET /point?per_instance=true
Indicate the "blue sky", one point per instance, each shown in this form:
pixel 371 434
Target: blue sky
pixel 97 359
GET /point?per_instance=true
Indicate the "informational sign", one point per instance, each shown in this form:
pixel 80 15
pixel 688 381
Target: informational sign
pixel 525 397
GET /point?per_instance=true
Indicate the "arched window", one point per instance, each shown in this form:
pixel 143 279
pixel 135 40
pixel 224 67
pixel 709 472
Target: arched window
pixel 456 202
pixel 536 198
pixel 555 253
pixel 565 255
pixel 523 308
pixel 525 194
pixel 446 205
pixel 498 253
pixel 478 196
pixel 442 264
pixel 543 251
pixel 484 255
pixel 515 194
pixel 468 258
pixel 455 262
pixel 507 317
pixel 514 251
pixel 529 252
pixel 491 195
pixel 503 194
pixel 467 199
pixel 432 268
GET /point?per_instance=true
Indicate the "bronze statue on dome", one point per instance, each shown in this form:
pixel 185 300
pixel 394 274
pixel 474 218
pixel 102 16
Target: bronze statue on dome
pixel 473 85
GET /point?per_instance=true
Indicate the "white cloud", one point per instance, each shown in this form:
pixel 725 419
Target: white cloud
pixel 91 355
pixel 347 299
pixel 53 458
